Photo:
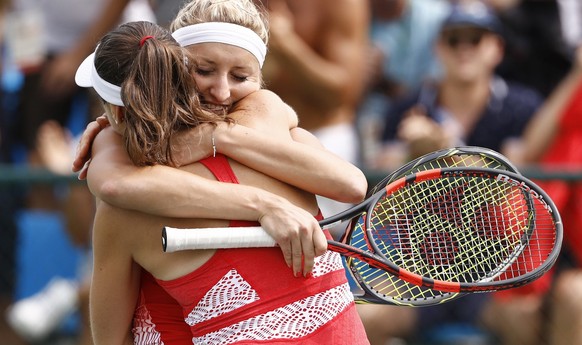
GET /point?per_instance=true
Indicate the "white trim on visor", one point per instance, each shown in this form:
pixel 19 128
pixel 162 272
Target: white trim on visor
pixel 227 33
pixel 87 76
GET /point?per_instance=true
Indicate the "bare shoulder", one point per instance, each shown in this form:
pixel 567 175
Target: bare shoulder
pixel 264 109
pixel 262 96
pixel 106 139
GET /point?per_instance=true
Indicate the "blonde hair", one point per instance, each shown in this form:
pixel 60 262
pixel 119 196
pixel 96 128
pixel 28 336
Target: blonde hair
pixel 241 12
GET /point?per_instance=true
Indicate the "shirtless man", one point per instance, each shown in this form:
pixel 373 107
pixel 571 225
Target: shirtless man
pixel 317 51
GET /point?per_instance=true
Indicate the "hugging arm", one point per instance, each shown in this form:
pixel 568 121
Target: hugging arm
pixel 161 190
pixel 114 285
pixel 302 162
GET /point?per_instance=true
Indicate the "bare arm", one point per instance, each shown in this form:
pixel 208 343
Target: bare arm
pixel 541 130
pixel 303 163
pixel 315 170
pixel 161 190
pixel 114 286
pixel 332 74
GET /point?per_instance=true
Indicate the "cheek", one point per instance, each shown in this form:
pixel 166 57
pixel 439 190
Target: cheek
pixel 202 84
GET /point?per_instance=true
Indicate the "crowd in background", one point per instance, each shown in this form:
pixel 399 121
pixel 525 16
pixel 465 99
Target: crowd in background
pixel 379 82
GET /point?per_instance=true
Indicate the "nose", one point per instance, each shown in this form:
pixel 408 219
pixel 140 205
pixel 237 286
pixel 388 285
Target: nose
pixel 220 90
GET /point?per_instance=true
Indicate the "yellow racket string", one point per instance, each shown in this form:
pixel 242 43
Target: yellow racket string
pixel 459 229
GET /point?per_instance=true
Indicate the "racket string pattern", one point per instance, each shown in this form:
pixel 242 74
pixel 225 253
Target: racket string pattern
pixel 448 230
pixel 382 287
pixel 396 291
pixel 431 235
pixel 467 230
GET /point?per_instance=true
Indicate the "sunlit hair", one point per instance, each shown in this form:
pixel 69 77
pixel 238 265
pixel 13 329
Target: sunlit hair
pixel 157 89
pixel 241 12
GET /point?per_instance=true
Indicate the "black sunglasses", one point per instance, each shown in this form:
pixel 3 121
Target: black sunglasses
pixel 457 37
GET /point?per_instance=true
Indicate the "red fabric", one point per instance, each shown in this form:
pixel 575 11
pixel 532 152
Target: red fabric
pixel 565 151
pixel 266 271
pixel 158 317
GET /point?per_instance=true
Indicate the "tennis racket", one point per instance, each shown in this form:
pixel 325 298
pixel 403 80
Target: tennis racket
pixel 451 229
pixel 378 286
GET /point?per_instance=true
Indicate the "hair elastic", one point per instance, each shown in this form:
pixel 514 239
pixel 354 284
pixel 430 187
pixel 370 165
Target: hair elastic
pixel 227 33
pixel 144 39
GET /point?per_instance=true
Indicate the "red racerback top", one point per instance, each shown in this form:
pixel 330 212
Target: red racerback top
pixel 250 295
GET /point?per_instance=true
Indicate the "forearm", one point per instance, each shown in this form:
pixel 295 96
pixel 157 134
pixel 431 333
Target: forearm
pixel 543 127
pixel 107 19
pixel 155 190
pixel 315 170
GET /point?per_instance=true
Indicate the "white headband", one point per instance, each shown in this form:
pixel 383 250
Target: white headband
pixel 87 76
pixel 218 32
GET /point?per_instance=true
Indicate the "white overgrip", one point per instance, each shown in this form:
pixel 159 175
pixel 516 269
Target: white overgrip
pixel 215 238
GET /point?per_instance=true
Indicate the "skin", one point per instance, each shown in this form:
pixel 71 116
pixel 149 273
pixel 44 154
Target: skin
pixel 316 49
pixel 463 91
pixel 125 240
pixel 225 75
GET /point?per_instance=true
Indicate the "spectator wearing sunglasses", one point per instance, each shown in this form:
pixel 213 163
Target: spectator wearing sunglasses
pixel 468 105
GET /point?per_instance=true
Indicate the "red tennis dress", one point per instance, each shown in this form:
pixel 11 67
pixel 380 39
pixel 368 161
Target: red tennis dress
pixel 250 296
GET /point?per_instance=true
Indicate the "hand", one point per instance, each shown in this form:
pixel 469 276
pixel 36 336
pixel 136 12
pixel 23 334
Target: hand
pixel 421 133
pixel 297 233
pixel 83 155
pixel 53 144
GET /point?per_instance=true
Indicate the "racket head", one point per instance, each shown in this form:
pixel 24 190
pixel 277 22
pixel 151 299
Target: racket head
pixel 460 156
pixel 465 229
pixel 386 288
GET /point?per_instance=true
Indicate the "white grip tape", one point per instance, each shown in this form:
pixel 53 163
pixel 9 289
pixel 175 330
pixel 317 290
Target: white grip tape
pixel 216 238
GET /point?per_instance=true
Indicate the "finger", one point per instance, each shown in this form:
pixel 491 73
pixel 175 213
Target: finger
pixel 287 255
pixel 319 242
pixel 84 171
pixel 297 256
pixel 83 148
pixel 308 254
pixel 102 121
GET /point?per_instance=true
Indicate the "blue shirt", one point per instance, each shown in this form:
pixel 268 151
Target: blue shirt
pixel 508 111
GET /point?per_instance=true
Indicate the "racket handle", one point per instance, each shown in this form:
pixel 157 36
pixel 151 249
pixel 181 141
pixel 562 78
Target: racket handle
pixel 174 239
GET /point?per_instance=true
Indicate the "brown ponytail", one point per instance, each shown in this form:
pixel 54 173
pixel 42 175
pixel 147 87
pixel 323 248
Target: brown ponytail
pixel 157 89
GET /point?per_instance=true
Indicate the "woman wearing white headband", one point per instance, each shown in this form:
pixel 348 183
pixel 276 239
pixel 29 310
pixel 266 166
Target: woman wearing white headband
pixel 225 73
pixel 227 296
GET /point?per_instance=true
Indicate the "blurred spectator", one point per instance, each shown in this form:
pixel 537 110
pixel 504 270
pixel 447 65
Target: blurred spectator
pixel 38 316
pixel 469 105
pixel 541 37
pixel 403 33
pixel 315 64
pixel 540 314
pixel 8 205
pixel 48 39
pixel 165 10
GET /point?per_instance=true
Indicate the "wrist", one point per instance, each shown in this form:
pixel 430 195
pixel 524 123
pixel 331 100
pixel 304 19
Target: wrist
pixel 227 137
pixel 268 203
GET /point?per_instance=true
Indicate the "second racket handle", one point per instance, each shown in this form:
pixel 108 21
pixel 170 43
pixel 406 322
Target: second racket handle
pixel 174 239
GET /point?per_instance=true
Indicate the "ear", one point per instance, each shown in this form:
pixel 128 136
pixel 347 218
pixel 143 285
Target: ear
pixel 118 113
